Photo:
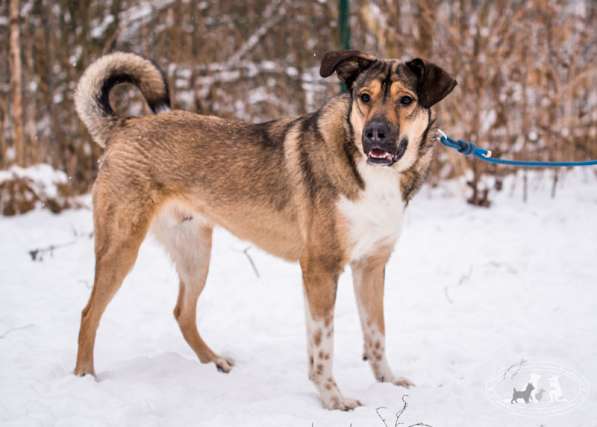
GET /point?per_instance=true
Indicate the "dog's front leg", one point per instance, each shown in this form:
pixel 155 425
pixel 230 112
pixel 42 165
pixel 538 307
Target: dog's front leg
pixel 368 279
pixel 320 279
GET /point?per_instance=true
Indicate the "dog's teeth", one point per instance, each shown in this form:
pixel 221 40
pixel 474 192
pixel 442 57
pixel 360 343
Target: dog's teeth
pixel 379 155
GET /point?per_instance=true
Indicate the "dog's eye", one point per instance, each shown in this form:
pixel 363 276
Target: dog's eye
pixel 406 100
pixel 365 98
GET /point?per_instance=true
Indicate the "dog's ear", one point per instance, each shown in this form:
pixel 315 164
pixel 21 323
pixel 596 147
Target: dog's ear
pixel 347 64
pixel 433 83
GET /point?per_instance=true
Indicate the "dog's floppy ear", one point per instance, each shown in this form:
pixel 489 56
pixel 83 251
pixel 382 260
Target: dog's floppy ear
pixel 346 63
pixel 433 83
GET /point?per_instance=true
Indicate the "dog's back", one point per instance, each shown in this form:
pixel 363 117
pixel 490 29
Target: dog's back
pixel 237 170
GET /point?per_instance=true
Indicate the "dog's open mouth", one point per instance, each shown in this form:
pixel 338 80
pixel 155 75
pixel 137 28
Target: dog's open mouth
pixel 380 156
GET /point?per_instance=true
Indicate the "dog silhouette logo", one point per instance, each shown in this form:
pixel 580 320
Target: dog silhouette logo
pixel 525 394
pixel 537 388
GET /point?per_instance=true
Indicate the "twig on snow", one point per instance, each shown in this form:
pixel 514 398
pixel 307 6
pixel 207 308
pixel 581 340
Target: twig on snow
pixel 18 328
pixel 401 411
pixel 377 411
pixel 253 266
pixel 39 253
pixel 450 300
pixel 464 278
pixel 398 415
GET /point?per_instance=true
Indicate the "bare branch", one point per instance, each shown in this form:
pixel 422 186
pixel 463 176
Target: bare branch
pixel 377 411
pixel 18 328
pixel 131 20
pixel 273 13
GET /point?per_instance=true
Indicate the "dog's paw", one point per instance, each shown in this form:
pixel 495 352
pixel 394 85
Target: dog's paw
pixel 223 364
pixel 81 371
pixel 341 403
pixel 403 382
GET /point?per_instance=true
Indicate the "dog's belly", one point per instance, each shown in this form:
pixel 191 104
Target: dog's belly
pixel 374 220
pixel 277 234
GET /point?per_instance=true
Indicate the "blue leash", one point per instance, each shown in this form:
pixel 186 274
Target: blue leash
pixel 468 148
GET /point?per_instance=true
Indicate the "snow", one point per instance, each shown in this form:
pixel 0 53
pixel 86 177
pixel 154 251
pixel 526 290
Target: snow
pixel 98 29
pixel 43 176
pixel 469 291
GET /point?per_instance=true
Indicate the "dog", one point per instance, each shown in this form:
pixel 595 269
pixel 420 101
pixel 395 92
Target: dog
pixel 524 394
pixel 327 190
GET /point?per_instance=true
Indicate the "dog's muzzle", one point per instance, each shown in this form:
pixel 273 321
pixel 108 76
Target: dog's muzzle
pixel 380 144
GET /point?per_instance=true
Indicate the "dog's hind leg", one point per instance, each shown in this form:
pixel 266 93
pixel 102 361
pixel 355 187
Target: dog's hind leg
pixel 188 241
pixel 119 231
pixel 368 279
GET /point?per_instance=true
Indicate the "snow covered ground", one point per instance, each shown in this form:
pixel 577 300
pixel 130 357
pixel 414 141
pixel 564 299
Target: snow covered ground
pixel 469 292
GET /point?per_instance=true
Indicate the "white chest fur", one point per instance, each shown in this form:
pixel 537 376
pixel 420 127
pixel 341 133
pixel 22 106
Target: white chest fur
pixel 375 218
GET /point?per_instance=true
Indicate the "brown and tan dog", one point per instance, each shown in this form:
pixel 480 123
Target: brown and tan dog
pixel 327 189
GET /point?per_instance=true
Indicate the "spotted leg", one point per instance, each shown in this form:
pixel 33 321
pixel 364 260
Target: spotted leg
pixel 320 282
pixel 368 280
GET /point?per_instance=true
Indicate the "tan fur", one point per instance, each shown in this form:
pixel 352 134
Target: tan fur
pixel 148 77
pixel 368 279
pixel 276 184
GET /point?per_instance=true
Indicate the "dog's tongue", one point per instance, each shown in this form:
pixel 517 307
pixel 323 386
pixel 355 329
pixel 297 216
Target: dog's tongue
pixel 376 152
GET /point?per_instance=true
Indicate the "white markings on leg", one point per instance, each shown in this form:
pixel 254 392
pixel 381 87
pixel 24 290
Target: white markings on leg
pixel 320 347
pixel 375 354
pixel 368 281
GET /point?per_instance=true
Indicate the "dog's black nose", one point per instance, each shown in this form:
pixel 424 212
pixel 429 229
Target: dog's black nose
pixel 376 132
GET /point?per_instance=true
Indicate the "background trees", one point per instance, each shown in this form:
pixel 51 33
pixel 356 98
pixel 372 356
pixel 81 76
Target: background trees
pixel 526 69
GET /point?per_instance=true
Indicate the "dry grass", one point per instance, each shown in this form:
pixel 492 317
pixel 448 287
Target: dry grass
pixel 527 70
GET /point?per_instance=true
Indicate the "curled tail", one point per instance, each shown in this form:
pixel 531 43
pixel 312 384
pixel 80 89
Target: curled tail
pixel 92 96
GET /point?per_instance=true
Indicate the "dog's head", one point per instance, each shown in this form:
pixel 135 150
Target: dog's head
pixel 390 102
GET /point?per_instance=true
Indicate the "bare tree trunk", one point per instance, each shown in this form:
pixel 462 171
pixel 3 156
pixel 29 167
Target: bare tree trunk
pixel 425 21
pixel 525 123
pixel 33 152
pixel 3 113
pixel 16 83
